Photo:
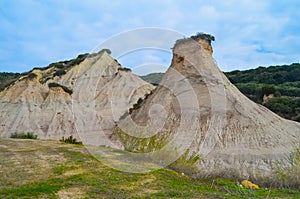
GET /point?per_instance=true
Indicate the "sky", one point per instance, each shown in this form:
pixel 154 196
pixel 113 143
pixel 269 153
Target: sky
pixel 249 33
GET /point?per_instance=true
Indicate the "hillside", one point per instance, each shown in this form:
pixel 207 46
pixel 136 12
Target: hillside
pixel 153 78
pixel 283 82
pixel 280 83
pixel 82 97
pixel 51 169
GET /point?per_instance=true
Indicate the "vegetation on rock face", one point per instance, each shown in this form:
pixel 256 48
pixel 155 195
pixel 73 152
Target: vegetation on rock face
pixel 105 50
pixel 70 140
pixel 59 73
pixel 201 35
pixel 141 145
pixel 31 75
pixel 6 79
pixel 186 163
pixel 78 60
pixel 124 69
pixel 66 89
pixel 138 104
pixel 209 38
pixel 28 135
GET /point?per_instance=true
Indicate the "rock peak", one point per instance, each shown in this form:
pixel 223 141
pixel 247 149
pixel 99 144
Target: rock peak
pixel 196 109
pixel 200 40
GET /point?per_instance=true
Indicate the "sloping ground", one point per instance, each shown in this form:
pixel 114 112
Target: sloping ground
pixel 51 169
pixel 197 109
pixel 70 98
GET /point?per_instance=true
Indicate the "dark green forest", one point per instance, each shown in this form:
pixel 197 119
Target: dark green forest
pixel 281 83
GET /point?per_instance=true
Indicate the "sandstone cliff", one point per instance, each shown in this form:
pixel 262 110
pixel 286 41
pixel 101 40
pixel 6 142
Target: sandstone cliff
pixel 70 98
pixel 196 110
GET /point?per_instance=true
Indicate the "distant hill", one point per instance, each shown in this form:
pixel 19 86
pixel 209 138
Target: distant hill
pixel 7 78
pixel 153 78
pixel 280 83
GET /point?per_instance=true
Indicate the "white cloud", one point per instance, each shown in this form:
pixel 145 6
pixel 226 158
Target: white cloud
pixel 248 33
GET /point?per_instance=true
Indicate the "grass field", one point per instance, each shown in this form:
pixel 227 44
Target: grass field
pixel 52 169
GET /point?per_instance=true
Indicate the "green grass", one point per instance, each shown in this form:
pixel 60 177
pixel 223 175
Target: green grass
pixel 61 169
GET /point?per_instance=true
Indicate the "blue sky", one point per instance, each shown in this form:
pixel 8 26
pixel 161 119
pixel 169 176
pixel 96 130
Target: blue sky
pixel 248 33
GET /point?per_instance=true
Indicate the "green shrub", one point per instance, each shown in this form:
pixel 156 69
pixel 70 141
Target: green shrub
pixel 70 140
pixel 105 50
pixel 59 65
pixel 136 106
pixel 31 76
pixel 66 89
pixel 277 94
pixel 124 69
pixel 209 38
pixel 78 60
pixel 28 135
pixel 297 118
pixel 59 73
pixel 201 35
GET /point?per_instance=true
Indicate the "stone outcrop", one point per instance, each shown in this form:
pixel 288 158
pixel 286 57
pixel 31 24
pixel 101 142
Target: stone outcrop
pixel 196 110
pixel 71 98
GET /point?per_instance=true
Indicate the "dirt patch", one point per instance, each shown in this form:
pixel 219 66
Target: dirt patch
pixel 71 193
pixel 74 172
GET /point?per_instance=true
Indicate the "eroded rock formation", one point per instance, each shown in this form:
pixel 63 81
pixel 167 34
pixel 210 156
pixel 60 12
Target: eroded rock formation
pixel 196 109
pixel 83 96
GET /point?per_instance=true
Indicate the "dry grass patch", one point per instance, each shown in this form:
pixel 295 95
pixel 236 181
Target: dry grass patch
pixel 51 169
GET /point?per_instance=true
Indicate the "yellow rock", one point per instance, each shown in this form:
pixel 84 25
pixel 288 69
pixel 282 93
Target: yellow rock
pixel 248 184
